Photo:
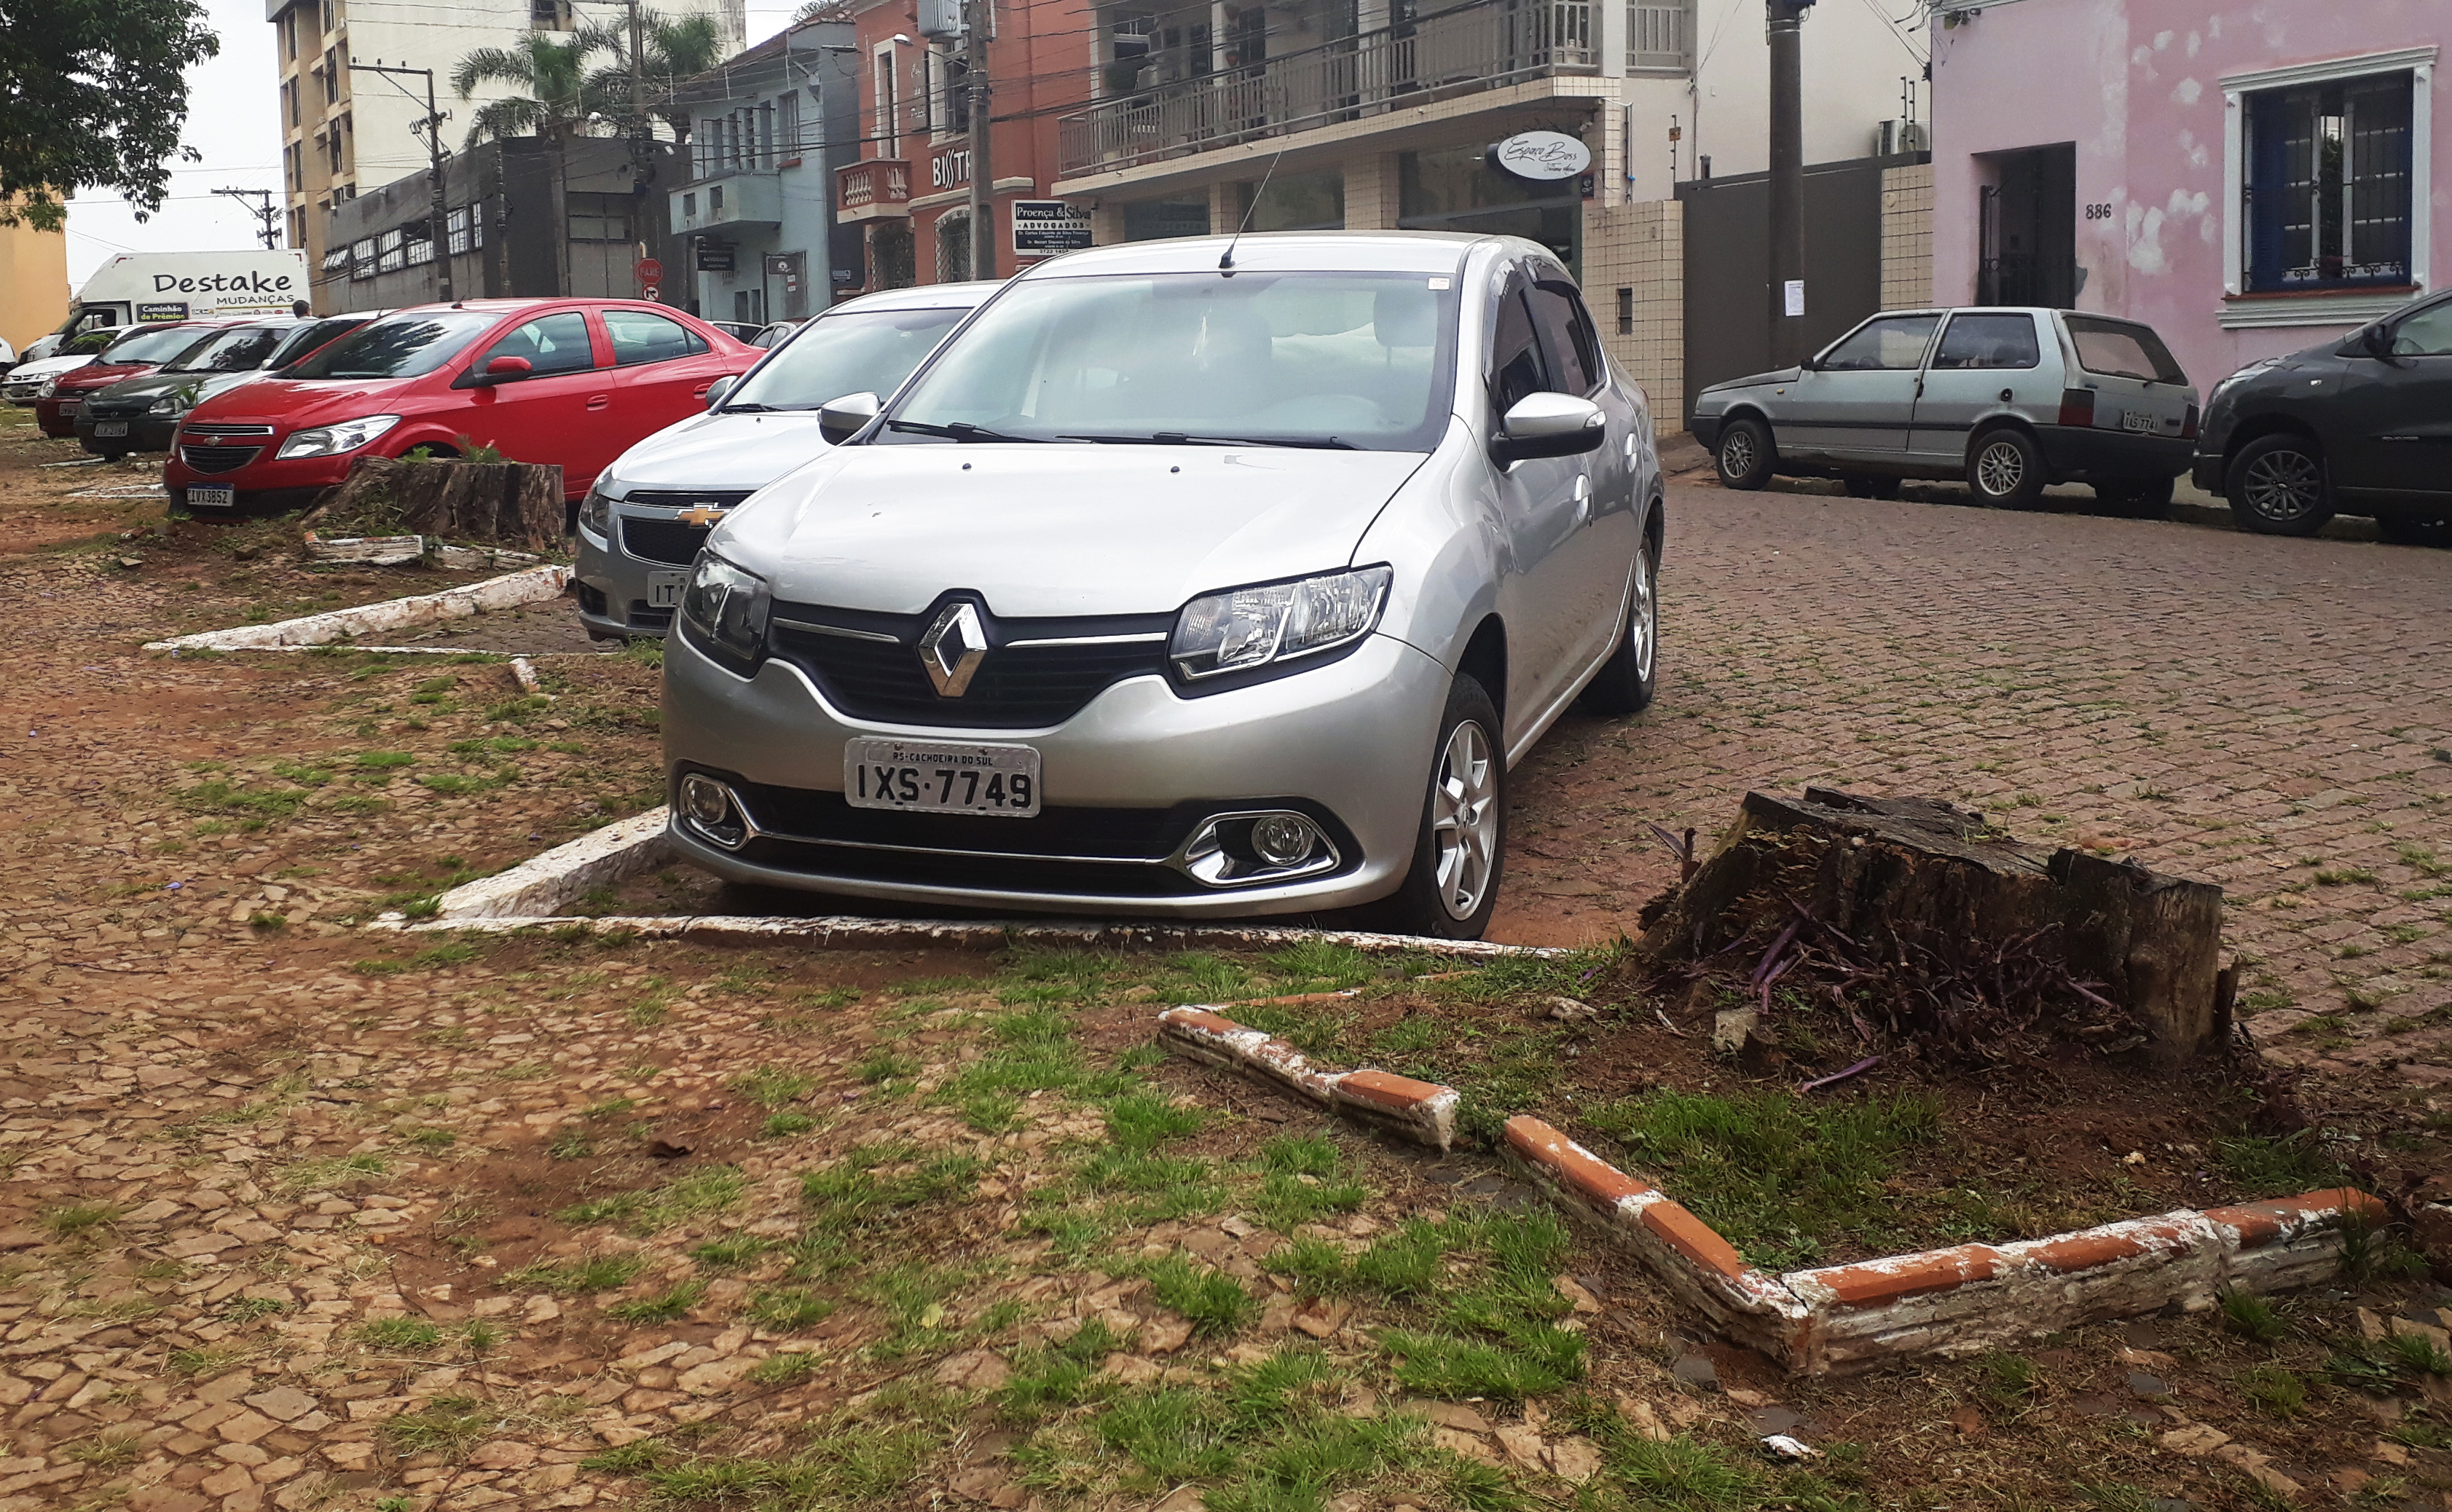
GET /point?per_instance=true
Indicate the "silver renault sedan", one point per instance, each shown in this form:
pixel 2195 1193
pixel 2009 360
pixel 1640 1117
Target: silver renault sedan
pixel 644 517
pixel 1194 578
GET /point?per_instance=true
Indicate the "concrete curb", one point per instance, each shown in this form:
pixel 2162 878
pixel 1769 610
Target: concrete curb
pixel 1964 1300
pixel 510 591
pixel 551 882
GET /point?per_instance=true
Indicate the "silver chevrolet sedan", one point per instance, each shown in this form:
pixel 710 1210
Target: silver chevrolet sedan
pixel 1195 577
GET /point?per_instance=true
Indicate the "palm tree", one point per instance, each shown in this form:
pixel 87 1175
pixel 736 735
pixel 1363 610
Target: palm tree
pixel 556 95
pixel 673 50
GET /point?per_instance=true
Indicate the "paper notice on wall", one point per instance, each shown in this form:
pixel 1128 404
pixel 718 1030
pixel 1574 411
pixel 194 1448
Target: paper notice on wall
pixel 1795 298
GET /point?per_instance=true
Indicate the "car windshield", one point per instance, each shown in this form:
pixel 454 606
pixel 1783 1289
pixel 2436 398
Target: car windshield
pixel 304 339
pixel 88 343
pixel 1343 359
pixel 2120 349
pixel 403 346
pixel 860 352
pixel 158 344
pixel 241 349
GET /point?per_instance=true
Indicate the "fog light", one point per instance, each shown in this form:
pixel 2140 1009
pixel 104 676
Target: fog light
pixel 1282 839
pixel 707 807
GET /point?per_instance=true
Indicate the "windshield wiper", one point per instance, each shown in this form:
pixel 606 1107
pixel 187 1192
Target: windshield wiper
pixel 753 407
pixel 958 430
pixel 1176 438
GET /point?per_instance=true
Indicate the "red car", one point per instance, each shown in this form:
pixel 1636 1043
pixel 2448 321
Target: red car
pixel 566 381
pixel 140 351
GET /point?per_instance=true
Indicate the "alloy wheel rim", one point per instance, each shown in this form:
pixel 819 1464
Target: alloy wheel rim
pixel 2283 486
pixel 1643 629
pixel 1464 820
pixel 2000 468
pixel 1737 454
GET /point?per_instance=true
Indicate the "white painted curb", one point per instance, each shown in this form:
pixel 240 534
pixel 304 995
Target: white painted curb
pixel 510 591
pixel 548 883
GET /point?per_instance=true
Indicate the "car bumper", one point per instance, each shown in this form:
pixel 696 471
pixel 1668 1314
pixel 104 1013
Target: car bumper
pixel 263 479
pixel 1704 429
pixel 144 432
pixel 57 418
pixel 1348 742
pixel 2075 452
pixel 616 579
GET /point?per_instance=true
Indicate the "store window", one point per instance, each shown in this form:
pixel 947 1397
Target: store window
pixel 953 249
pixel 1156 219
pixel 1294 201
pixel 2327 185
pixel 599 217
pixel 1455 189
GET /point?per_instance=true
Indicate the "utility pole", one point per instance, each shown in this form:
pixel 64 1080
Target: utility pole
pixel 263 210
pixel 1787 19
pixel 439 228
pixel 977 15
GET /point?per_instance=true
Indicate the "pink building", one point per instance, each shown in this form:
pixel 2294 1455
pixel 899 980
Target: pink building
pixel 2250 177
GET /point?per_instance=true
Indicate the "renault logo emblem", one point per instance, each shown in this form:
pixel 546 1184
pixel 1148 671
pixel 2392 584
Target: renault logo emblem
pixel 701 516
pixel 953 648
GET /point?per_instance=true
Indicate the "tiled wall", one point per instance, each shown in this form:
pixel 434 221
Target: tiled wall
pixel 1907 237
pixel 1635 264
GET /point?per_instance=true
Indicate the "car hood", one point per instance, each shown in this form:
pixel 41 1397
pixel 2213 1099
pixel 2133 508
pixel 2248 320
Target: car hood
pixel 102 375
pixel 1055 529
pixel 719 451
pixel 48 366
pixel 136 395
pixel 1785 374
pixel 298 403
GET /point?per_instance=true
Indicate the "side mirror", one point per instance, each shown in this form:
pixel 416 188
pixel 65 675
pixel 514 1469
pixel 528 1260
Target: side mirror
pixel 2378 341
pixel 840 419
pixel 502 370
pixel 1548 425
pixel 716 390
pixel 1809 365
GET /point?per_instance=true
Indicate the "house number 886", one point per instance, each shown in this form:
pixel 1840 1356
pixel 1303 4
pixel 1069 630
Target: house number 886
pixel 2098 212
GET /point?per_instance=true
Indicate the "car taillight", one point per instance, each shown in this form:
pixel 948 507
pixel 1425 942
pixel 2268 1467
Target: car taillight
pixel 2077 407
pixel 2188 425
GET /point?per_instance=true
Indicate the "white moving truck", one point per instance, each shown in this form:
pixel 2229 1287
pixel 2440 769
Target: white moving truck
pixel 137 286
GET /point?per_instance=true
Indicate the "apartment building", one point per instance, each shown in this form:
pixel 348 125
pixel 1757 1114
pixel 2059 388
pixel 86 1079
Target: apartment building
pixel 343 132
pixel 771 126
pixel 2249 185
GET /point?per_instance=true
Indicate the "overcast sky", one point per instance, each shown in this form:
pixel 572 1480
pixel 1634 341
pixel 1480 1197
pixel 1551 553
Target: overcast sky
pixel 233 118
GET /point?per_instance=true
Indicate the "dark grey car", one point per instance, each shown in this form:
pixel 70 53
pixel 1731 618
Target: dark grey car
pixel 2009 400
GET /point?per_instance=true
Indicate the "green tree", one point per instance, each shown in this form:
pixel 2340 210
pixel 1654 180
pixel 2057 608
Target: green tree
pixel 92 94
pixel 555 95
pixel 674 51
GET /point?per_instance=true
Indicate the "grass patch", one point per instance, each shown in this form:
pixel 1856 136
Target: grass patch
pixel 446 1426
pixel 2267 1166
pixel 643 1213
pixel 401 1333
pixel 771 1087
pixel 581 1277
pixel 668 1307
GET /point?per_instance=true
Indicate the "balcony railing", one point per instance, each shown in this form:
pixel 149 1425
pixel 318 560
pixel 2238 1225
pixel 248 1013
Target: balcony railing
pixel 874 185
pixel 1477 46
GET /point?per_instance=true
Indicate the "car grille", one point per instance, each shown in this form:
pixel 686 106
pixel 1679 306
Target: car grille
pixel 1015 688
pixel 217 458
pixel 665 540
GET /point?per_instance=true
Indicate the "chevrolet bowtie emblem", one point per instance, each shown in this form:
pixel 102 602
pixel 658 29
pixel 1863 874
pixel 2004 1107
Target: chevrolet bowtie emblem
pixel 702 515
pixel 952 647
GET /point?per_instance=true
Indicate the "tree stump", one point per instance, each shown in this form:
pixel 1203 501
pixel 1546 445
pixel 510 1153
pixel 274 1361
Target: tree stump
pixel 1916 885
pixel 506 503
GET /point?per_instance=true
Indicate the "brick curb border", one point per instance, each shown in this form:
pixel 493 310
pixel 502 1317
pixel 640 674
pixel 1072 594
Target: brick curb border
pixel 1963 1300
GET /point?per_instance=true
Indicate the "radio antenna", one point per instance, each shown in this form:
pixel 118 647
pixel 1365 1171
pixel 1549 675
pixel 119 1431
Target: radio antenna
pixel 1226 258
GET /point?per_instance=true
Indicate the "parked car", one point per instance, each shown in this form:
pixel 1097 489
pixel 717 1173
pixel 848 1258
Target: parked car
pixel 567 381
pixel 26 380
pixel 1188 578
pixel 642 523
pixel 746 331
pixel 143 413
pixel 2358 427
pixel 2011 400
pixel 141 350
pixel 772 336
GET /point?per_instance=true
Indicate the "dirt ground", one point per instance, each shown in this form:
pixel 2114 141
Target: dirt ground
pixel 297 1215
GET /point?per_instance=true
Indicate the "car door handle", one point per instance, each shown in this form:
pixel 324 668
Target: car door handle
pixel 1583 499
pixel 599 401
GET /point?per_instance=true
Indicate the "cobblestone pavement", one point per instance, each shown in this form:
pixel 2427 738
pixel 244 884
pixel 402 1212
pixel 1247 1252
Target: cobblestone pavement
pixel 2273 715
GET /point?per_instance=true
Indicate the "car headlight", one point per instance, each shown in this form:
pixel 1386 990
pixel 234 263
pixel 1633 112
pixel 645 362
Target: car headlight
pixel 596 514
pixel 1239 629
pixel 51 387
pixel 725 611
pixel 169 404
pixel 330 441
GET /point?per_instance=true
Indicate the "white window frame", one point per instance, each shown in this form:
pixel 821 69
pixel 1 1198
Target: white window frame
pixel 886 103
pixel 2241 312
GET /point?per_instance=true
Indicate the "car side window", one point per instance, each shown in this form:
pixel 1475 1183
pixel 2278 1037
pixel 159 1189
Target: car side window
pixel 1887 345
pixel 639 337
pixel 1988 341
pixel 2428 333
pixel 1516 368
pixel 552 343
pixel 1566 335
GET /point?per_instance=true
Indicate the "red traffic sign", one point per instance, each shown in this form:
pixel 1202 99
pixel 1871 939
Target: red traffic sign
pixel 650 271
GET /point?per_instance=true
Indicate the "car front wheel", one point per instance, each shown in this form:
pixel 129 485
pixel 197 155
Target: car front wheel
pixel 2277 486
pixel 1452 886
pixel 1746 455
pixel 2005 468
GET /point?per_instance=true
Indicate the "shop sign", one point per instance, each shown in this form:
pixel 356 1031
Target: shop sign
pixel 1541 156
pixel 1042 228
